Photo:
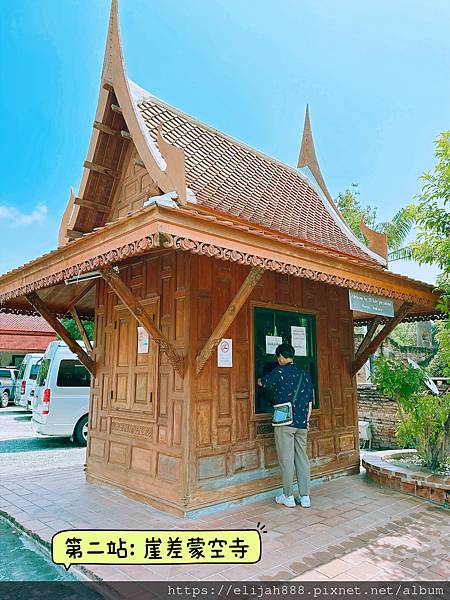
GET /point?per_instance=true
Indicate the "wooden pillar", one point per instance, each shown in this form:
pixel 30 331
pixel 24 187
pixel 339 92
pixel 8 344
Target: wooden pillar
pixel 54 322
pixel 228 317
pixel 142 317
pixel 361 357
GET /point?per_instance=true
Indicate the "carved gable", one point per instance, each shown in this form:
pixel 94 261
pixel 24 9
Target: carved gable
pixel 134 188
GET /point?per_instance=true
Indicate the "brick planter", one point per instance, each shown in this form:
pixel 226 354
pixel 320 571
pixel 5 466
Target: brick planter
pixel 406 479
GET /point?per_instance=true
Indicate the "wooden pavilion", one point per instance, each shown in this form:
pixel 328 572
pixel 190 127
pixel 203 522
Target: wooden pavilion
pixel 181 237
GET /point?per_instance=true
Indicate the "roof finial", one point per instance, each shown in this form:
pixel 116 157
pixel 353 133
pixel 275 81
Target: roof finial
pixel 308 158
pixel 376 241
pixel 113 44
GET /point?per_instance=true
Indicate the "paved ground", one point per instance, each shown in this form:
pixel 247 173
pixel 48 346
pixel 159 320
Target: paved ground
pixel 354 530
pixel 24 451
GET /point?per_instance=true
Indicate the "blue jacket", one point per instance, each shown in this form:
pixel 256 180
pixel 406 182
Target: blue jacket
pixel 284 379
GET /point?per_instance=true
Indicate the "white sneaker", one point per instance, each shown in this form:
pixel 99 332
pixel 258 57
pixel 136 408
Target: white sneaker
pixel 305 501
pixel 288 501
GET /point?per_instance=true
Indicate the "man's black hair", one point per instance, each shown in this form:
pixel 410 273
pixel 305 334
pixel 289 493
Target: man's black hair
pixel 285 350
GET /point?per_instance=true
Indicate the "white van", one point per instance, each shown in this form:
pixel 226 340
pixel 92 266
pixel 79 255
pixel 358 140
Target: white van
pixel 26 379
pixel 61 395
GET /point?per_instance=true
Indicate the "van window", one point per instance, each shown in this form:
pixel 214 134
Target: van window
pixel 72 373
pixel 5 373
pixel 43 372
pixel 34 370
pixel 21 370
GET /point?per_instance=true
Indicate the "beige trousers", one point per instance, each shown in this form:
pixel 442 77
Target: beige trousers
pixel 292 453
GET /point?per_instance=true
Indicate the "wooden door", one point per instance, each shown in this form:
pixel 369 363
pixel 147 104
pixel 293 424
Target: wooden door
pixel 133 370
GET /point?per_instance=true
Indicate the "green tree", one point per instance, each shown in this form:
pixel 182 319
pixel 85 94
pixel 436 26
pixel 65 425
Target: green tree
pixel 405 334
pixel 72 328
pixel 431 217
pixel 396 230
pixel 352 210
pixel 440 365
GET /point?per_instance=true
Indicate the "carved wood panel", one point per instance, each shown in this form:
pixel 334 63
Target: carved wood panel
pixel 140 442
pixel 134 188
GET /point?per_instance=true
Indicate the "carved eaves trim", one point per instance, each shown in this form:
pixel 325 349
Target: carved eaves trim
pixel 187 244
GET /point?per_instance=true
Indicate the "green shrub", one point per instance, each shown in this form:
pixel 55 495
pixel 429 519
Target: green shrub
pixel 428 424
pixel 398 380
pixel 425 419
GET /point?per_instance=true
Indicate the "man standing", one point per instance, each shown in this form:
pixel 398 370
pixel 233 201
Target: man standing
pixel 290 440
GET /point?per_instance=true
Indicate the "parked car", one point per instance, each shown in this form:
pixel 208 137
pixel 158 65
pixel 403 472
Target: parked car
pixel 61 395
pixel 8 378
pixel 26 379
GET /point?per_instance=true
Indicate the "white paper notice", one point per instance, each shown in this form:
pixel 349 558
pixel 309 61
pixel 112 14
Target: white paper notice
pixel 298 340
pixel 225 353
pixel 272 341
pixel 142 340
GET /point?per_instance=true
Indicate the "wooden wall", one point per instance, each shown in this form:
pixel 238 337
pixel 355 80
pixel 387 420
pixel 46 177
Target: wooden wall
pixel 136 425
pixel 186 444
pixel 232 450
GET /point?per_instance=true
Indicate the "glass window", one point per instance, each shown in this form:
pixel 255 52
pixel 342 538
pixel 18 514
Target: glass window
pixel 72 373
pixel 271 328
pixel 21 370
pixel 34 370
pixel 5 373
pixel 43 372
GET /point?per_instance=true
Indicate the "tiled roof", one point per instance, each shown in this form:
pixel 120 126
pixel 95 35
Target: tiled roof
pixel 232 178
pixel 12 322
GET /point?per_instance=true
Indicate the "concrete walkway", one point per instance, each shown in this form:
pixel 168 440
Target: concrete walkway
pixel 354 530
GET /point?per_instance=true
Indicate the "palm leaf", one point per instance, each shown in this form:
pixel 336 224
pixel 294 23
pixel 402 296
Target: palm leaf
pixel 406 253
pixel 397 228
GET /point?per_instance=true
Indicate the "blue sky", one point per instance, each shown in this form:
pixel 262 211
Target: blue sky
pixel 375 74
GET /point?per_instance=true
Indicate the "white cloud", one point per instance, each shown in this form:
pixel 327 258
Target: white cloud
pixel 16 218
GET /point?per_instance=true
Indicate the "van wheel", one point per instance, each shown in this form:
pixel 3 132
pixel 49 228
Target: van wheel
pixel 4 399
pixel 81 431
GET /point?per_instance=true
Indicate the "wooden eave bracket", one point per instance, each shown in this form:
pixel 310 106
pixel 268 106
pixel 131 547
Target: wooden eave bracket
pixel 125 135
pixel 142 317
pixel 368 337
pixel 83 203
pixel 100 169
pixel 82 330
pixel 38 304
pixel 370 347
pixel 229 316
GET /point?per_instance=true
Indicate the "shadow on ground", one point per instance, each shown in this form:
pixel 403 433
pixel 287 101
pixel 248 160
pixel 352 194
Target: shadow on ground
pixel 32 444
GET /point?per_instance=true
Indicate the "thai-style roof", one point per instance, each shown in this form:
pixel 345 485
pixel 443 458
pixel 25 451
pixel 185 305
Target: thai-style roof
pixel 230 177
pixel 208 167
pixel 208 194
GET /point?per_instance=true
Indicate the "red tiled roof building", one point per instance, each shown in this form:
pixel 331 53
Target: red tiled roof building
pixel 20 334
